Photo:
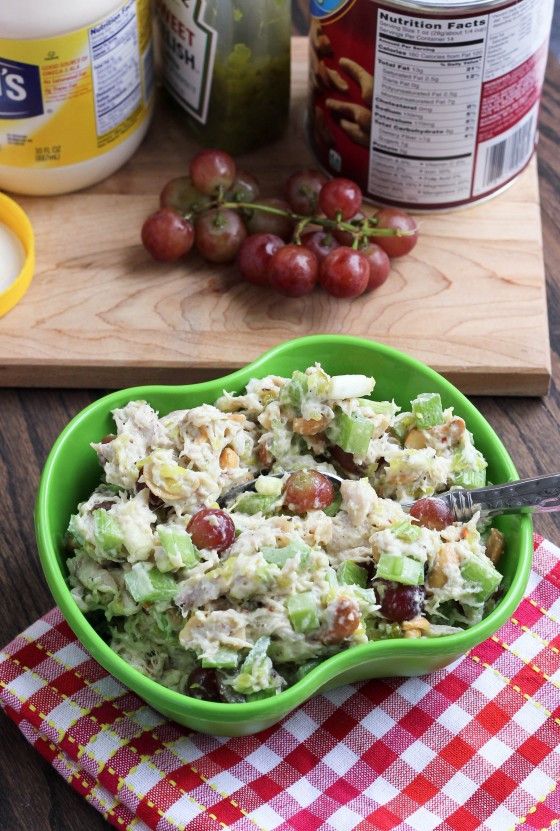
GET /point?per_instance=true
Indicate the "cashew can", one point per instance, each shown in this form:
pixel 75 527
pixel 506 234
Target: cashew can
pixel 427 105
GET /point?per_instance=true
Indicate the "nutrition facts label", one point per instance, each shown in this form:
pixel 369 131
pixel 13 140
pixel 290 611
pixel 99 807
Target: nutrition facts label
pixel 115 63
pixel 429 95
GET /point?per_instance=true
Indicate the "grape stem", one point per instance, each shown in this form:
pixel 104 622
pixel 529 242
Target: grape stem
pixel 363 228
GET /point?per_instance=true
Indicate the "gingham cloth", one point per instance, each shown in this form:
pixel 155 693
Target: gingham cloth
pixel 473 746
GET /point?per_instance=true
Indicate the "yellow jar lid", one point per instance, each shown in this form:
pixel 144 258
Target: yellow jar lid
pixel 17 221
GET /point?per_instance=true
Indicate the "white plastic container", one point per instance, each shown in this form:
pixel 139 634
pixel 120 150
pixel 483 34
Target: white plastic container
pixel 76 90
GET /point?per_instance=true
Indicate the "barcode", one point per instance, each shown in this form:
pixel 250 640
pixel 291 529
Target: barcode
pixel 508 155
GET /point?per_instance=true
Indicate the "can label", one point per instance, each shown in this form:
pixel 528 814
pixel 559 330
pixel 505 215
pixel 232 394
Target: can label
pixel 67 99
pixel 428 111
pixel 188 50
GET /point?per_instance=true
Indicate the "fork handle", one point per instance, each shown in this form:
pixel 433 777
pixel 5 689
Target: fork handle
pixel 542 493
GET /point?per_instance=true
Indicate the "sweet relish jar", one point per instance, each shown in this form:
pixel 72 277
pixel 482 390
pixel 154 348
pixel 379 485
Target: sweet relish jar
pixel 227 64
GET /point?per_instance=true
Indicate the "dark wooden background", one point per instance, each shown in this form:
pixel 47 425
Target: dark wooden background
pixel 32 795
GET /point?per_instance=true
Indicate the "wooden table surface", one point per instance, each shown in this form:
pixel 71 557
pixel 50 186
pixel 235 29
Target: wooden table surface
pixel 32 795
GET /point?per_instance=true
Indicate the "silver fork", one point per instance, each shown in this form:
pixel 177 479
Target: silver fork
pixel 528 496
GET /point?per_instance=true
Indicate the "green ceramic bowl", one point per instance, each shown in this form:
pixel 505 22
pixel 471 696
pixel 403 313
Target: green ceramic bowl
pixel 72 471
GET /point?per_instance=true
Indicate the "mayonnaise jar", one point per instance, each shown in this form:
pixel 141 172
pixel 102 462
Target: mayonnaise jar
pixel 76 90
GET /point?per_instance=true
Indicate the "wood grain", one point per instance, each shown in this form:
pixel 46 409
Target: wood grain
pixel 470 300
pixel 33 795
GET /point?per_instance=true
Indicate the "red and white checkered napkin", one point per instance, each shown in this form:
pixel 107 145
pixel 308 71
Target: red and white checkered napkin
pixel 473 746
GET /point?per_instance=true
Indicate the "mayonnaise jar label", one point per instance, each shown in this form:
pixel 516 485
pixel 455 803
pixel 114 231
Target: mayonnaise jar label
pixel 71 98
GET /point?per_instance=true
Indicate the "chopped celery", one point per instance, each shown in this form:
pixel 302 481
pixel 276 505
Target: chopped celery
pixel 366 595
pixel 471 478
pixel 223 658
pixel 74 531
pixel 351 433
pixel 400 569
pixel 252 503
pixel 260 694
pixel 406 531
pixel 351 573
pixel 402 425
pixel 279 556
pixel 147 584
pixel 255 669
pixel 302 611
pixel 483 574
pixel 294 391
pixel 334 507
pixel 178 549
pixel 427 410
pixel 377 630
pixel 268 485
pixel 318 382
pixel 350 386
pixel 106 530
pixel 306 668
pixel 380 407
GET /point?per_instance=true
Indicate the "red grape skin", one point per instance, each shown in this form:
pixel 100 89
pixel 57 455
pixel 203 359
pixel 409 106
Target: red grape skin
pixel 344 272
pixel 245 188
pixel 263 222
pixel 345 460
pixel 211 170
pixel 203 684
pixel 219 234
pixel 320 242
pixel 167 235
pixel 254 256
pixel 181 194
pixel 307 490
pixel 211 528
pixel 396 246
pixel 432 513
pixel 379 265
pixel 347 237
pixel 302 191
pixel 293 270
pixel 340 196
pixel 399 602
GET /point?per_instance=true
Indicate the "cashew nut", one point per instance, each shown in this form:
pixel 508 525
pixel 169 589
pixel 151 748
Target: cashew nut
pixel 495 545
pixel 447 555
pixel 321 127
pixel 353 112
pixel 416 627
pixel 310 427
pixel 319 41
pixel 362 78
pixel 228 458
pixel 355 132
pixel 415 440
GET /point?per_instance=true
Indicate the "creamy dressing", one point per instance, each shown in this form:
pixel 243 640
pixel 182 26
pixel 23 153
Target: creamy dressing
pixel 12 257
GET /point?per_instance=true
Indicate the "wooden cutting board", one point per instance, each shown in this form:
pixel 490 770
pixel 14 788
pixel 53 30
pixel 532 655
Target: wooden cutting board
pixel 470 299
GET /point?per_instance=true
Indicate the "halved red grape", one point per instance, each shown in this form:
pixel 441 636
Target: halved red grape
pixel 254 256
pixel 340 197
pixel 344 272
pixel 167 235
pixel 399 602
pixel 264 222
pixel 181 194
pixel 302 191
pixel 219 234
pixel 379 265
pixel 293 270
pixel 212 528
pixel 320 242
pixel 345 460
pixel 432 513
pixel 211 170
pixel 203 684
pixel 396 246
pixel 307 490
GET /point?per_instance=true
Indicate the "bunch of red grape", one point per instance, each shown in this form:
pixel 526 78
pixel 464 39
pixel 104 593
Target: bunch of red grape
pixel 317 234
